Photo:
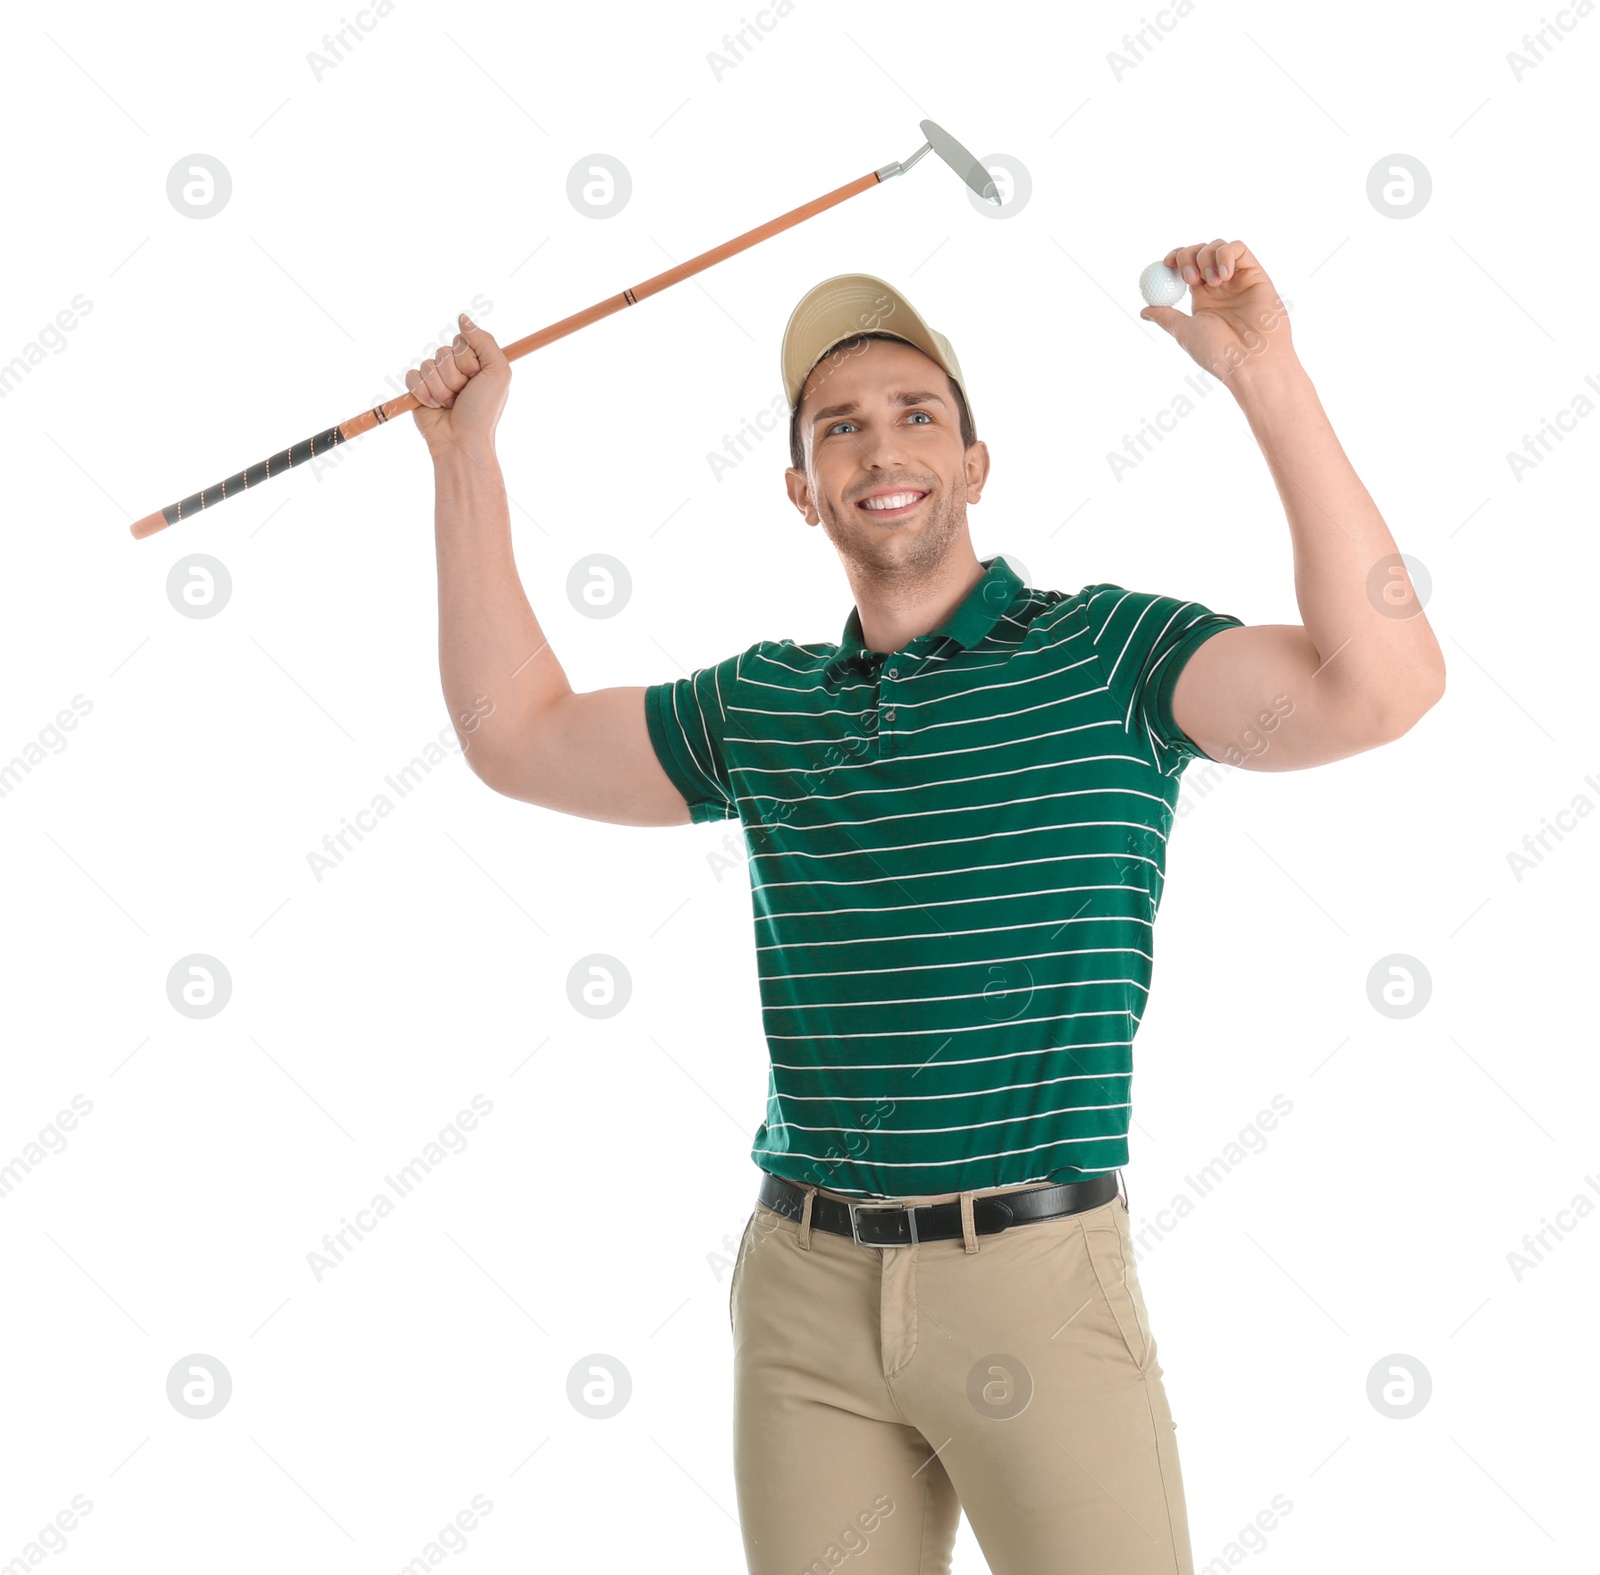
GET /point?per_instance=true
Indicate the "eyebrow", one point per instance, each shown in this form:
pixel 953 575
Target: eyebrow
pixel 895 398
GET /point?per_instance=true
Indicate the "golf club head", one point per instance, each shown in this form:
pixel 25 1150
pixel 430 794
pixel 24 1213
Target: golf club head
pixel 961 161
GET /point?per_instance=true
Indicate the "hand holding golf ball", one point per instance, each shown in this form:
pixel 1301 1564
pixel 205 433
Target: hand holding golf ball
pixel 1237 318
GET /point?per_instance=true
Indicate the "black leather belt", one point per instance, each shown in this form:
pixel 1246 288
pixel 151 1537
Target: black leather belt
pixel 872 1223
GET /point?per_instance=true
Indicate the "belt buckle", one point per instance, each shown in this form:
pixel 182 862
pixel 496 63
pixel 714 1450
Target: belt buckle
pixel 909 1210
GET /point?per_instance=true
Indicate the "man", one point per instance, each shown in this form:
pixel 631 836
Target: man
pixel 956 818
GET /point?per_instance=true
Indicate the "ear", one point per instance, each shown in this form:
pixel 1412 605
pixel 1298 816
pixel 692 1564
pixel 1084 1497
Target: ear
pixel 799 489
pixel 977 470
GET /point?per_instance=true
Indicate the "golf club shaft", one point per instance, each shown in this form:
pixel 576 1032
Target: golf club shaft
pixel 322 442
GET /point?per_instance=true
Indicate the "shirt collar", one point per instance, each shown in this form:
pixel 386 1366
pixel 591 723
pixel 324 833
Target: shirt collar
pixel 980 610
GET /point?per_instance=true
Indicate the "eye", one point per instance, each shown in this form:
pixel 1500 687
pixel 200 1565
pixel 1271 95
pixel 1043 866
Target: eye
pixel 922 413
pixel 835 427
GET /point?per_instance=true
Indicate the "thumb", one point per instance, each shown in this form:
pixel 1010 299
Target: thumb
pixel 1167 317
pixel 482 342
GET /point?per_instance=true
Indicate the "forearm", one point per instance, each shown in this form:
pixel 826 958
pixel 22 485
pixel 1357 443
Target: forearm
pixel 1356 600
pixel 495 665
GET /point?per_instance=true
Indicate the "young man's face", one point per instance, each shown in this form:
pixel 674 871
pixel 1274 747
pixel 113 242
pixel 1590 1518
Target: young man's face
pixel 882 418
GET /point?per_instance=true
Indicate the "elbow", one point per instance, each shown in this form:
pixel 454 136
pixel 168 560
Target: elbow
pixel 1398 716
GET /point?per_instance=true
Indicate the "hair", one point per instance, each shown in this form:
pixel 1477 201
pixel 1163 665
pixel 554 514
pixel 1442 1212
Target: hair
pixel 797 453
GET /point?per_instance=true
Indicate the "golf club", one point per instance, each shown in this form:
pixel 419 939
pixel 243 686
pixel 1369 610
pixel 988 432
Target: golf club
pixel 939 141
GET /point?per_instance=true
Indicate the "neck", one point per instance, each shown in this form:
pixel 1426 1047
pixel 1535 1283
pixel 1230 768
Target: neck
pixel 894 612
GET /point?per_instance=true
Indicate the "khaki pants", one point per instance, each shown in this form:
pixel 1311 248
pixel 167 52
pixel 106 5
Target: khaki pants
pixel 880 1391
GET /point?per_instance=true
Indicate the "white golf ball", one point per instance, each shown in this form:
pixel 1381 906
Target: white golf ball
pixel 1161 285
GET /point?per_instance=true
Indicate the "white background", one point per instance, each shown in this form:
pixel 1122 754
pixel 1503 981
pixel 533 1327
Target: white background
pixel 371 200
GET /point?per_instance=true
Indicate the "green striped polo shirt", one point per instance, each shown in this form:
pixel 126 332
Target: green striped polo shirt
pixel 956 852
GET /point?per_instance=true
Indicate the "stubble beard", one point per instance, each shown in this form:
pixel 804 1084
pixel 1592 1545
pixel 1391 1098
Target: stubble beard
pixel 894 562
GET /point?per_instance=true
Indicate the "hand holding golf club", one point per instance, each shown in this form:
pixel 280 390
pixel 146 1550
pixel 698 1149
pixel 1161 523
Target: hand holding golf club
pixel 461 390
pixel 1237 316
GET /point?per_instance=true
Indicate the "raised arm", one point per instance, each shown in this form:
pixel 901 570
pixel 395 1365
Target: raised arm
pixel 1363 665
pixel 526 733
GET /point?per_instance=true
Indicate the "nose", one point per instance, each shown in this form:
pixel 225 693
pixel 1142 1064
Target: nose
pixel 883 449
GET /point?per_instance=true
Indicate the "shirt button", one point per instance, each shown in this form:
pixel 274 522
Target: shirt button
pixel 888 715
pixel 894 672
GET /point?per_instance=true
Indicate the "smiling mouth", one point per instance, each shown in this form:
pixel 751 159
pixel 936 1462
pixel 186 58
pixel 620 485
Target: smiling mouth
pixel 873 506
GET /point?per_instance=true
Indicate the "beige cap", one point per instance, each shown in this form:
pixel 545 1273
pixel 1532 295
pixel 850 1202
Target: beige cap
pixel 857 303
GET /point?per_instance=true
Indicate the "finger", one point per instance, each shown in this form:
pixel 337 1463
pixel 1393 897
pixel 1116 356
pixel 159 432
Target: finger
pixel 483 343
pixel 416 385
pixel 1236 258
pixel 1168 317
pixel 1183 259
pixel 455 379
pixel 1206 261
pixel 432 376
pixel 465 357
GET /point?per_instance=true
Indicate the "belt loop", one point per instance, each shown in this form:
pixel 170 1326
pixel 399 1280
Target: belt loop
pixel 969 1234
pixel 1122 1187
pixel 805 1219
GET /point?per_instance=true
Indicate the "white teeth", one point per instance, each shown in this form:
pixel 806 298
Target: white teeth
pixel 893 500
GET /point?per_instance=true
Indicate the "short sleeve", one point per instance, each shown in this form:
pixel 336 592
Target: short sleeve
pixel 687 722
pixel 1143 640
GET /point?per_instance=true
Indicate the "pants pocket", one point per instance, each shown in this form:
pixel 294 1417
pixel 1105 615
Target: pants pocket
pixel 1110 1256
pixel 738 1264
